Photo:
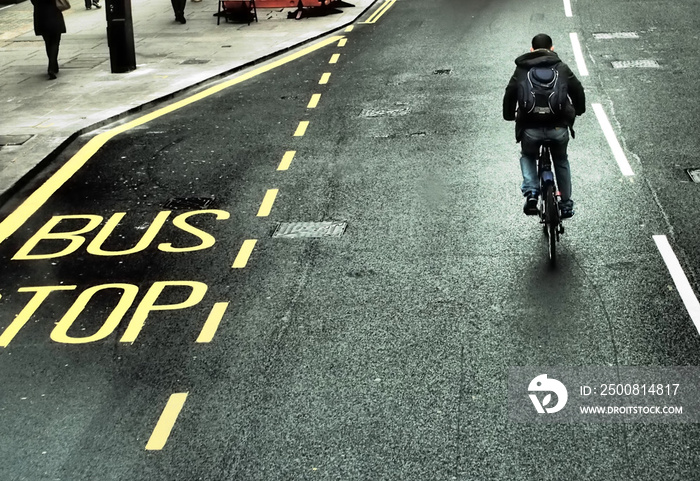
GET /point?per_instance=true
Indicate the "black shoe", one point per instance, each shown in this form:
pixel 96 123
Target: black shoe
pixel 96 5
pixel 181 19
pixel 530 207
pixel 566 213
pixel 52 76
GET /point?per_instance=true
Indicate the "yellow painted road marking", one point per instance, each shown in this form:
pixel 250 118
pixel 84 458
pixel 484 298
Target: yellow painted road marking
pixel 342 42
pixel 267 202
pixel 166 422
pixel 244 254
pixel 382 10
pixel 314 101
pixel 334 58
pixel 23 317
pixel 40 196
pixel 287 159
pixel 301 129
pixel 349 29
pixel 324 78
pixel 212 323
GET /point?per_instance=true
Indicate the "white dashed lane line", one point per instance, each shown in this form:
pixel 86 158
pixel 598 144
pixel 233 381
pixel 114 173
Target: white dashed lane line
pixel 679 278
pixel 609 133
pixel 578 54
pixel 567 8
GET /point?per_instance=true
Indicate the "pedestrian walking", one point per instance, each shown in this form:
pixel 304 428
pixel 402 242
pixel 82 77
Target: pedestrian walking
pixel 49 24
pixel 92 3
pixel 179 9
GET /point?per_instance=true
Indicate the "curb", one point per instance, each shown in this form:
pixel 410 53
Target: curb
pixel 53 155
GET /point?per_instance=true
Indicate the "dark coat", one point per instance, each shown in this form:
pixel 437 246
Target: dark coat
pixel 48 19
pixel 542 57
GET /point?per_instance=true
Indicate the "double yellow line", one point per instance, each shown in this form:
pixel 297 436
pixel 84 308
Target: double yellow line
pixel 382 10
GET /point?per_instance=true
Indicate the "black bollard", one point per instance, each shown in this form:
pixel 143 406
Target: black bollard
pixel 120 36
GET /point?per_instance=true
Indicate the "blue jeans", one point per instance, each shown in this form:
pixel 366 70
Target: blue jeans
pixel 530 146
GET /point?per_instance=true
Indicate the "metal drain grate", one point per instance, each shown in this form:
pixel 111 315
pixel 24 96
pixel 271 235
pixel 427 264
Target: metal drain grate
pixel 609 36
pixel 442 71
pixel 694 175
pixel 636 64
pixel 293 230
pixel 190 203
pixel 371 113
pixel 7 140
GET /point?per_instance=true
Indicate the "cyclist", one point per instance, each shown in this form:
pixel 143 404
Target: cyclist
pixel 531 131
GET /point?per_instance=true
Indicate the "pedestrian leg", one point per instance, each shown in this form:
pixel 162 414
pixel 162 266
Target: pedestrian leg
pixel 52 43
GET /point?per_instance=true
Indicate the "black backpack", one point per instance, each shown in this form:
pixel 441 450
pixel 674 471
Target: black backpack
pixel 542 94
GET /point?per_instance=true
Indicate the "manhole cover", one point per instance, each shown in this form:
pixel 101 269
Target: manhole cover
pixel 636 64
pixel 7 140
pixel 370 113
pixel 310 229
pixel 694 175
pixel 84 62
pixel 194 61
pixel 190 203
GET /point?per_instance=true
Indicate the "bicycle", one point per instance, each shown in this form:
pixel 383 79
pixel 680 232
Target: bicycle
pixel 548 202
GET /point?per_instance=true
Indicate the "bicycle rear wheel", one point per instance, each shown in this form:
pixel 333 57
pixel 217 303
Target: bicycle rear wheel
pixel 551 220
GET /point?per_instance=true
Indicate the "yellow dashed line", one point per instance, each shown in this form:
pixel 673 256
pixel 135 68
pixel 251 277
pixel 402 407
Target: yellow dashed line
pixel 12 222
pixel 267 202
pixel 301 129
pixel 324 78
pixel 212 323
pixel 243 254
pixel 349 29
pixel 334 58
pixel 314 101
pixel 286 160
pixel 166 422
pixel 342 42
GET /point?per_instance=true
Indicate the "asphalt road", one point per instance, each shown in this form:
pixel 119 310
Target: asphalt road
pixel 383 353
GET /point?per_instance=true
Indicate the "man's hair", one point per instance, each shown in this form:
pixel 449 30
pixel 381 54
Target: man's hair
pixel 541 40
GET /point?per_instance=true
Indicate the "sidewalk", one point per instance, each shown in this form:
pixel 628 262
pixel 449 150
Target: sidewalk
pixel 170 58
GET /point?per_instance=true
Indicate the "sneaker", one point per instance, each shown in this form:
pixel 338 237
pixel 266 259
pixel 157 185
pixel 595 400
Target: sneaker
pixel 530 207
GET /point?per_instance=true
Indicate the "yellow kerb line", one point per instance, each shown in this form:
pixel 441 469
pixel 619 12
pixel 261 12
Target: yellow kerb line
pixel 243 254
pixel 287 159
pixel 166 422
pixel 212 323
pixel 324 78
pixel 41 195
pixel 267 202
pixel 382 10
pixel 313 103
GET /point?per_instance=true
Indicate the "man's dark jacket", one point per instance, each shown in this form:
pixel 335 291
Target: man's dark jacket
pixel 542 58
